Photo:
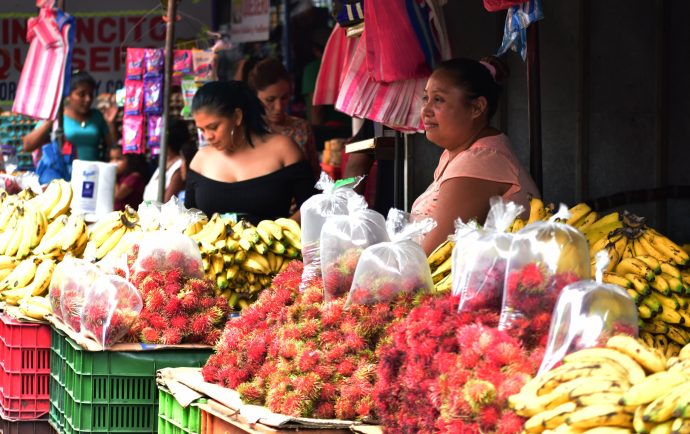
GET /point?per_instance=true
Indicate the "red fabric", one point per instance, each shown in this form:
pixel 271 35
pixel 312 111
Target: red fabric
pixel 499 5
pixel 42 78
pixel 334 63
pixel 393 51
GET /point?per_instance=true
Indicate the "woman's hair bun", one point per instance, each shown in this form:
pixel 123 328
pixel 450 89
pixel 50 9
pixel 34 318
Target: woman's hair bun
pixel 502 71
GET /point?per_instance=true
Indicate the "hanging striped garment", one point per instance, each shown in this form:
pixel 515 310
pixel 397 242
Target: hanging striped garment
pixel 334 63
pixel 41 83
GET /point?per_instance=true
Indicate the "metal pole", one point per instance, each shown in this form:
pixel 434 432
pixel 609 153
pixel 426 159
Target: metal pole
pixel 169 39
pixel 534 105
pixel 287 36
pixel 59 132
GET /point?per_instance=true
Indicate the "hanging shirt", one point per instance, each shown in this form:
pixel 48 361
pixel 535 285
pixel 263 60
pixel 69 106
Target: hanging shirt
pixel 151 191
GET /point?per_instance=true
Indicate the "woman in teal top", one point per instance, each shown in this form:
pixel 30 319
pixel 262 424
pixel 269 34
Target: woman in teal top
pixel 85 128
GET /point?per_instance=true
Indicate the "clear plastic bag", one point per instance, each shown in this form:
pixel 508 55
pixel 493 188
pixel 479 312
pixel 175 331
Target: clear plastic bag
pixel 149 212
pixel 480 257
pixel 544 258
pixel 110 309
pixel 343 239
pixel 314 211
pixel 167 250
pixel 390 268
pixel 76 280
pixel 587 314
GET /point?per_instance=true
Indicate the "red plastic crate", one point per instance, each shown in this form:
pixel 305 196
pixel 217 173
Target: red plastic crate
pixel 24 369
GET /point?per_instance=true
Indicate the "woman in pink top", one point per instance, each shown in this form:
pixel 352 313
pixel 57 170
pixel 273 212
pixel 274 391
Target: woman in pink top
pixel 477 163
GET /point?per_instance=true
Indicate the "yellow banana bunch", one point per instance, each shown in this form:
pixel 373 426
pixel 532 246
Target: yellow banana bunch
pixel 440 264
pixel 242 258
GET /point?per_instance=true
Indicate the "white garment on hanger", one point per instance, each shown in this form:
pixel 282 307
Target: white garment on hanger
pixel 151 190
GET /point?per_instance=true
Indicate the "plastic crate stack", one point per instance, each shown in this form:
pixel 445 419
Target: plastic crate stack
pixel 24 376
pixel 109 391
pixel 175 419
pixel 12 128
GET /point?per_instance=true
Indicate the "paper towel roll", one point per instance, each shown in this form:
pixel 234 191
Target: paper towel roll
pixel 93 185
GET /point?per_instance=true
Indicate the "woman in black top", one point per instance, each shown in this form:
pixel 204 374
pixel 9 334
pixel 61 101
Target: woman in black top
pixel 244 169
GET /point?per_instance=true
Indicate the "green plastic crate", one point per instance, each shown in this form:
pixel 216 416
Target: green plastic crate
pixel 109 391
pixel 175 419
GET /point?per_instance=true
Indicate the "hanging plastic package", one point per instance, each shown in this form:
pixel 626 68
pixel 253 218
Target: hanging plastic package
pixel 135 63
pixel 154 124
pixel 314 211
pixel 588 313
pixel 518 19
pixel 134 97
pixel 153 95
pixel 154 61
pixel 544 257
pixel 395 267
pixel 133 135
pixel 161 251
pixel 480 257
pixel 343 239
pixel 110 309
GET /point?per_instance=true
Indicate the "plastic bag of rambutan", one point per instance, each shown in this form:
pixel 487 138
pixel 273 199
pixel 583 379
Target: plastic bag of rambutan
pixel 343 239
pixel 74 280
pixel 110 309
pixel 394 267
pixel 168 250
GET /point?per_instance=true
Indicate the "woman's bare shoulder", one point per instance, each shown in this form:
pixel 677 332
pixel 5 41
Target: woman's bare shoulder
pixel 202 156
pixel 284 146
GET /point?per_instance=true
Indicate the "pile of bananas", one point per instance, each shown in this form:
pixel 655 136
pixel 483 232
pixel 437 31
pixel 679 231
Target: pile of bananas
pixel 650 268
pixel 242 258
pixel 109 234
pixel 36 232
pixel 440 261
pixel 625 385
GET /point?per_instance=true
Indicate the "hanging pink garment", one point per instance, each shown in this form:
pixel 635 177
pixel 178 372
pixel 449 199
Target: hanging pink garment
pixel 42 79
pixel 334 63
pixel 393 51
pixel 396 104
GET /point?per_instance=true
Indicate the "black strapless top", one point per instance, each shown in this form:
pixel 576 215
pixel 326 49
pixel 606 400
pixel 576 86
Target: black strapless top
pixel 265 197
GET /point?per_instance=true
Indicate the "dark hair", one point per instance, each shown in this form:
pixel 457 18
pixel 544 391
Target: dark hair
pixel 81 78
pixel 134 163
pixel 223 97
pixel 178 135
pixel 267 72
pixel 475 79
pixel 188 151
pixel 247 66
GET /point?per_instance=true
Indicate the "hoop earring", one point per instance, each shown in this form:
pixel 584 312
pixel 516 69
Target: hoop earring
pixel 232 136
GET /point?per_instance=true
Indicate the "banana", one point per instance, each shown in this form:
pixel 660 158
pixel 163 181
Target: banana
pixel 441 271
pixel 684 353
pixel 660 285
pixel 646 357
pixel 655 327
pixel 651 262
pixel 628 251
pixel 635 372
pixel 272 228
pixel 110 242
pixel 21 275
pixel 602 227
pixel 653 387
pixel 217 263
pixel 102 229
pixel 440 254
pixel 635 266
pixel 260 248
pixel 272 261
pixel 602 398
pixel 644 312
pixel 662 428
pixel 444 285
pixel 27 229
pixel 664 301
pixel 578 212
pixel 608 430
pixel 639 284
pixel 47 200
pixel 75 227
pixel 670 269
pixel 41 280
pixel 289 225
pixel 637 298
pixel 671 316
pixel 549 419
pixel 668 250
pixel 680 426
pixel 231 245
pixel 63 204
pixel 673 349
pixel 599 416
pixel 587 221
pixel 256 263
pixel 615 279
pixel 674 284
pixel 660 343
pixel 292 252
pixel 212 231
pixel 648 339
pixel 231 272
pixel 15 236
pixel 571 371
pixel 639 424
pixel 294 240
pixel 265 235
pixel 33 307
pixel 518 224
pixel 278 248
pixel 595 385
pixel 662 408
pixel 601 244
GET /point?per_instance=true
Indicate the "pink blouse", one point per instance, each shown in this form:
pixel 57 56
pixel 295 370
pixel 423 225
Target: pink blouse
pixel 490 158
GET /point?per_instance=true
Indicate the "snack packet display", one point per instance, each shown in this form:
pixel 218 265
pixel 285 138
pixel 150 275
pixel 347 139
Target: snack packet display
pixel 203 65
pixel 189 88
pixel 135 63
pixel 343 239
pixel 544 258
pixel 163 250
pixel 153 95
pixel 586 315
pixel 154 124
pixel 154 61
pixel 480 256
pixel 393 267
pixel 134 97
pixel 72 284
pixel 334 200
pixel 133 135
pixel 182 62
pixel 110 309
